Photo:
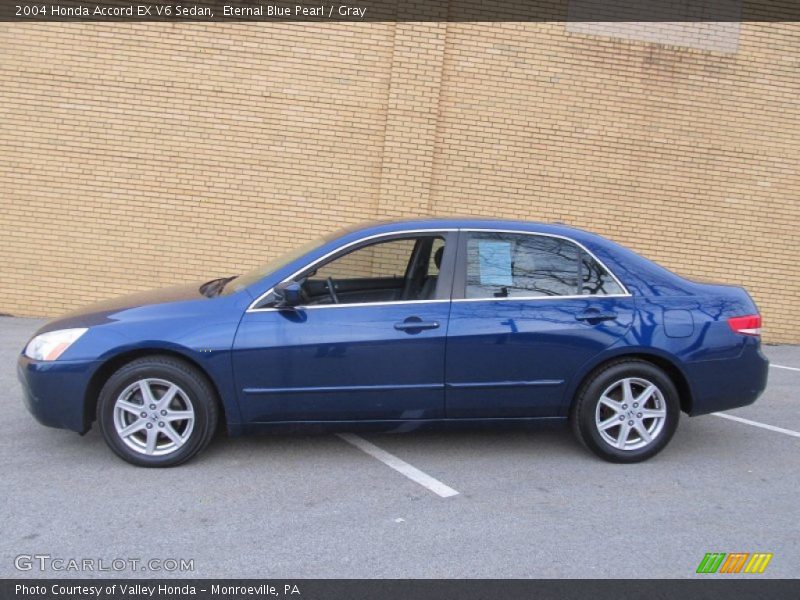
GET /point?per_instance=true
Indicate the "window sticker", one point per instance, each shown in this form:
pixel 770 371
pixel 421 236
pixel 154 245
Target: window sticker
pixel 495 262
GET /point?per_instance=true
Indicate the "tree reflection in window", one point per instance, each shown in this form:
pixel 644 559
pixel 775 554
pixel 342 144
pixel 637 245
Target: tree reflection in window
pixel 507 265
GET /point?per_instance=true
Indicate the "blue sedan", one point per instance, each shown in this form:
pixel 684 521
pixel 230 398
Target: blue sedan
pixel 395 326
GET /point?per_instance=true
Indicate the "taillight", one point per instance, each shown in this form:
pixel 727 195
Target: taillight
pixel 749 325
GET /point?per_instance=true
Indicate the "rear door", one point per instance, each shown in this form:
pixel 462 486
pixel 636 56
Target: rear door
pixel 528 310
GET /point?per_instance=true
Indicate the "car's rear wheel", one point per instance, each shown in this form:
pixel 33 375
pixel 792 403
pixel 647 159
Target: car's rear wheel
pixel 627 411
pixel 157 412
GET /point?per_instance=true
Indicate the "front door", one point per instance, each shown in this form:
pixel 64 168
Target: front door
pixel 367 344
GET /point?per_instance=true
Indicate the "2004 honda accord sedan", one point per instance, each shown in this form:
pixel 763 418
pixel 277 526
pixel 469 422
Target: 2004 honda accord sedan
pixel 401 326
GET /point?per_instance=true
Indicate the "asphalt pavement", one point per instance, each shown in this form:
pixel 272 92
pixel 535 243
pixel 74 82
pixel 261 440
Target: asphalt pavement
pixel 523 503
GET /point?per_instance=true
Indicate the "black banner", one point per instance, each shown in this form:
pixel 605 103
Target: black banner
pixel 402 10
pixel 754 588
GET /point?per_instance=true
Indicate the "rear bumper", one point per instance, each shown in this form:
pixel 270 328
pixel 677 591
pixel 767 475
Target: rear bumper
pixel 728 383
pixel 55 391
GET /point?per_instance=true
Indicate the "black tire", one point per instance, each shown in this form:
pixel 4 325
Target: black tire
pixel 194 387
pixel 585 414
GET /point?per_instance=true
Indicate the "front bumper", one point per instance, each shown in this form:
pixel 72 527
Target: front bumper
pixel 55 391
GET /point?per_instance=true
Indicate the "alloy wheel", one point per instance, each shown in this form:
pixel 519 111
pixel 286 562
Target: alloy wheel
pixel 631 413
pixel 154 417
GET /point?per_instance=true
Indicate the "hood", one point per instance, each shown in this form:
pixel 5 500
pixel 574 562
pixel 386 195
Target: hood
pixel 104 311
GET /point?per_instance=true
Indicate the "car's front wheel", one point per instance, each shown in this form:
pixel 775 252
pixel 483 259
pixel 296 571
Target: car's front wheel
pixel 157 411
pixel 627 411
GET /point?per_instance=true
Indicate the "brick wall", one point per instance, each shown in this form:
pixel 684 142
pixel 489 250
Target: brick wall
pixel 135 155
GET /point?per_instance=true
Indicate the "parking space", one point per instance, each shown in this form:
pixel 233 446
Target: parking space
pixel 780 405
pixel 524 503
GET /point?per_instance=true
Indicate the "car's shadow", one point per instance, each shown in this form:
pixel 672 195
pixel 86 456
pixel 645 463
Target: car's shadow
pixel 538 444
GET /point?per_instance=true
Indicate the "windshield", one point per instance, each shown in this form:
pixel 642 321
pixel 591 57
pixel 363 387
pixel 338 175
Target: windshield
pixel 262 271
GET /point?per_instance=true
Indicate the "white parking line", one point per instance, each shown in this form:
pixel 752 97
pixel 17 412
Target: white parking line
pixel 782 367
pixel 399 465
pixel 757 424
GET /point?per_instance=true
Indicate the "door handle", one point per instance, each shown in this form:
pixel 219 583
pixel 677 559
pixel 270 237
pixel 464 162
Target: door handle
pixel 415 324
pixel 593 315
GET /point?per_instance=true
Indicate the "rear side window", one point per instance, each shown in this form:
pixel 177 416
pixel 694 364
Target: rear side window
pixel 508 265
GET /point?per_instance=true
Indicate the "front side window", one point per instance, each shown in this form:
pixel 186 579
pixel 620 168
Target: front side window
pixel 404 269
pixel 508 265
pixel 376 261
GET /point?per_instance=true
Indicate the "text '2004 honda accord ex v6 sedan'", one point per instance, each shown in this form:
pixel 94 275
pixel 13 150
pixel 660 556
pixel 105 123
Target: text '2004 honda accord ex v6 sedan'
pixel 401 326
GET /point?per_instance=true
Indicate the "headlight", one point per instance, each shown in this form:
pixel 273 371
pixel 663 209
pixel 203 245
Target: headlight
pixel 51 345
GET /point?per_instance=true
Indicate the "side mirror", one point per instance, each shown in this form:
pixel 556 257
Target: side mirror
pixel 288 294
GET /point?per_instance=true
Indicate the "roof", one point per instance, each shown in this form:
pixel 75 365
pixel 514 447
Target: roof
pixel 375 227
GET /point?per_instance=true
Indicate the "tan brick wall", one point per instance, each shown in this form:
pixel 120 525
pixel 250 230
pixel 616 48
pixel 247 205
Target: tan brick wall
pixel 134 155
